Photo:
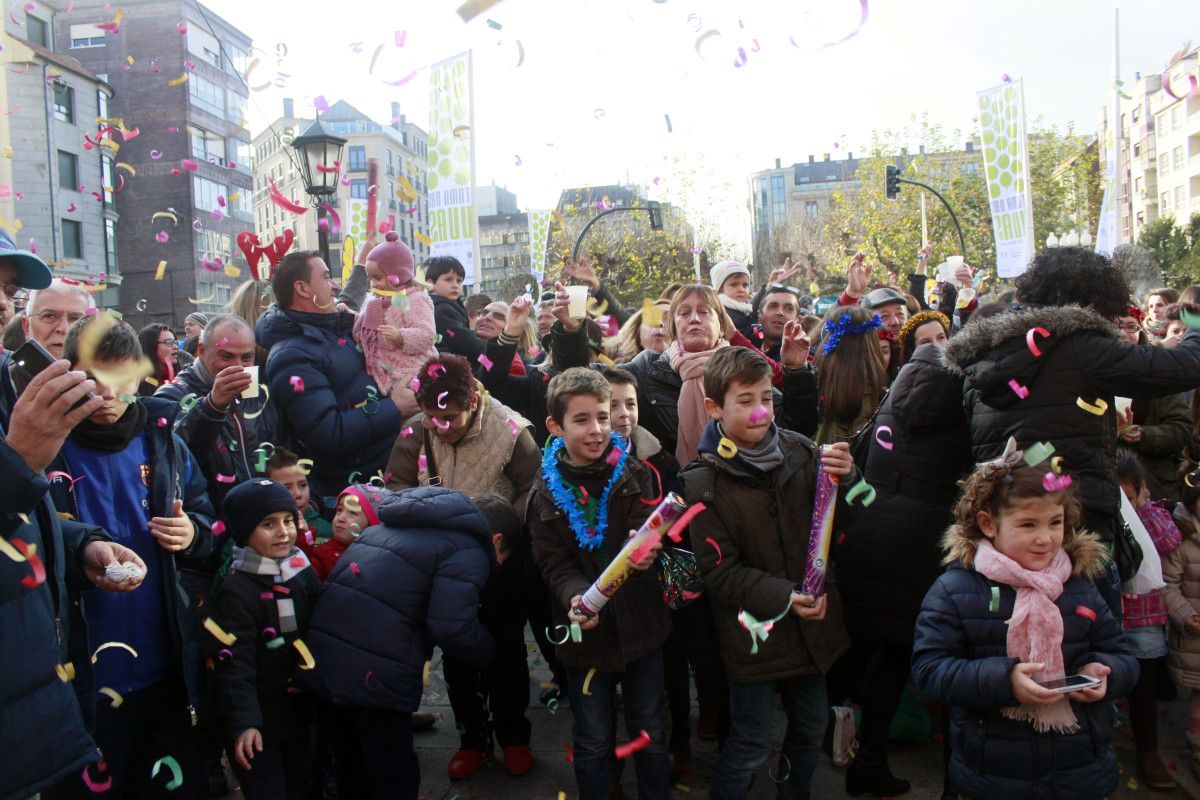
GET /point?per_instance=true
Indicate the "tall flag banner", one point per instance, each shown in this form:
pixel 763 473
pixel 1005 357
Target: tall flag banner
pixel 451 177
pixel 1006 164
pixel 1107 233
pixel 539 233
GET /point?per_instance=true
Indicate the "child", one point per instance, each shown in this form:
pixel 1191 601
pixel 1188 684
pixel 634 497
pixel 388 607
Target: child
pixel 1015 606
pixel 586 501
pixel 445 276
pixel 283 467
pixel 1182 594
pixel 731 281
pixel 757 481
pixel 504 683
pixel 265 718
pixel 406 585
pixel 395 327
pixel 1144 617
pixel 356 511
pixel 643 444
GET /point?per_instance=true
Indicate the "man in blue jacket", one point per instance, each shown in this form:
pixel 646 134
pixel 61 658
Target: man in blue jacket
pixel 331 410
pixel 125 471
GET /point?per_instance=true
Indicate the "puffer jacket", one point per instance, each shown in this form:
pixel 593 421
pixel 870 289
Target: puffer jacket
pixel 402 587
pixel 1181 574
pixel 327 421
pixel 42 730
pixel 961 659
pixel 1166 424
pixel 634 622
pixel 751 544
pixel 1082 361
pixel 891 552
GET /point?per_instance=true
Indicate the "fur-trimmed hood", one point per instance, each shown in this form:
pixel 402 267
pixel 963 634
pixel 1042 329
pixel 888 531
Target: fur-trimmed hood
pixel 983 337
pixel 1086 551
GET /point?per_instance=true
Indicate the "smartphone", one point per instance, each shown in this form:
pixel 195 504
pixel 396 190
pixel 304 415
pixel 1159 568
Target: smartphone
pixel 1069 683
pixel 27 361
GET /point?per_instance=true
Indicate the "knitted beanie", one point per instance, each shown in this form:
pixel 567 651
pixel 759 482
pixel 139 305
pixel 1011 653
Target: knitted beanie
pixel 394 258
pixel 721 272
pixel 248 503
pixel 369 497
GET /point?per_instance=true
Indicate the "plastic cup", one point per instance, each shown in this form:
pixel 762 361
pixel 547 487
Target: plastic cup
pixel 577 306
pixel 251 391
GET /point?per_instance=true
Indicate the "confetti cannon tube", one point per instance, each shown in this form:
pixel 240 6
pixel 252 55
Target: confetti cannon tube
pixel 618 571
pixel 817 563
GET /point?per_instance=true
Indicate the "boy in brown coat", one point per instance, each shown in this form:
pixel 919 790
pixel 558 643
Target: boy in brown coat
pixel 757 481
pixel 587 500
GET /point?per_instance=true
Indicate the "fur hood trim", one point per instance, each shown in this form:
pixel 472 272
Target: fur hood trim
pixel 1086 551
pixel 980 337
pixel 645 443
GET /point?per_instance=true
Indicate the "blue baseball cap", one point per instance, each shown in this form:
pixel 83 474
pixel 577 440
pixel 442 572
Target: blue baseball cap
pixel 32 272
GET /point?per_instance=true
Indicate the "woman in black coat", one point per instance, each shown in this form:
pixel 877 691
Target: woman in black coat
pixel 890 556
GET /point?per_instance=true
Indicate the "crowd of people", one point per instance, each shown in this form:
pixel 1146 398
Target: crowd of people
pixel 245 541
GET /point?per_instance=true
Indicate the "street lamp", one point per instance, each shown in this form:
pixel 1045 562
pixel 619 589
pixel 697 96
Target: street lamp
pixel 320 159
pixel 656 221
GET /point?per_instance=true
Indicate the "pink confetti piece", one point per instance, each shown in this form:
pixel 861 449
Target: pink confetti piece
pixel 354 568
pixel 716 547
pixel 435 369
pixel 486 362
pixel 441 424
pixel 71 208
pixel 1055 483
pixel 514 427
pixel 218 528
pixel 297 383
pixel 226 478
pixel 162 237
pixel 321 104
pixel 441 398
pixel 401 38
pixel 886 444
pixel 162 422
pixel 414 385
pixel 1021 391
pixel 629 748
pixel 421 462
pixel 1030 340
pixel 404 434
pixel 614 456
pixel 188 164
pixel 181 27
pixel 308 537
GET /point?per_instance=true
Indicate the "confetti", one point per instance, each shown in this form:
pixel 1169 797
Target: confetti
pixel 29 553
pixel 305 653
pixel 1190 319
pixel 421 462
pixel 276 643
pixel 189 165
pixel 716 547
pixel 1021 391
pixel 566 635
pixel 1098 408
pixel 278 199
pixel 1056 465
pixel 297 383
pixel 97 787
pixel 587 682
pixel 111 694
pixel 861 488
pixel 65 672
pixel 1193 85
pixel 109 645
pixel 787 770
pixel 218 633
pixel 170 763
pixel 1085 612
pixel 994 603
pixel 486 363
pixel 1031 344
pixel 162 237
pixel 668 117
pixel 1038 452
pixel 760 630
pixel 514 427
pixel 1055 483
pixel 886 444
pixel 629 748
pixel 473 8
pixel 422 238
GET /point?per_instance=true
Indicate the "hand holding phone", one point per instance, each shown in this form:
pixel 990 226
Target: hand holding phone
pixel 1069 683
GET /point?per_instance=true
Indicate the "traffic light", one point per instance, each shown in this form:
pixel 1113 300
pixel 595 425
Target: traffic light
pixel 893 181
pixel 656 221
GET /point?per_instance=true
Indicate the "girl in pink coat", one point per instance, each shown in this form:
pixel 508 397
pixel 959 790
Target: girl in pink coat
pixel 395 327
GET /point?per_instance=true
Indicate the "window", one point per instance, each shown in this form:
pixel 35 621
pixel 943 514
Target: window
pixel 64 103
pixel 110 246
pixel 39 31
pixel 1164 201
pixel 205 94
pixel 1179 197
pixel 1137 184
pixel 86 36
pixel 1177 158
pixel 235 108
pixel 1177 117
pixel 72 238
pixel 206 192
pixel 811 209
pixel 102 103
pixel 206 145
pixel 68 170
pixel 358 159
pixel 358 188
pixel 106 178
pixel 778 198
pixel 1164 164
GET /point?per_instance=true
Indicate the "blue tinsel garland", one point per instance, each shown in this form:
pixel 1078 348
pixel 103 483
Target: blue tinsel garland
pixel 589 538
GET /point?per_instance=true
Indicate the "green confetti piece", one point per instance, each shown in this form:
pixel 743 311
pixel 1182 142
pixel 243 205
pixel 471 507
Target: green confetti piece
pixel 261 466
pixel 576 633
pixel 1037 453
pixel 861 488
pixel 994 605
pixel 188 402
pixel 176 773
pixel 276 643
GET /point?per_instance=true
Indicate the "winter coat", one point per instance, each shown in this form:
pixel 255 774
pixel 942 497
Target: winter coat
pixel 634 623
pixel 891 552
pixel 760 525
pixel 174 475
pixel 42 730
pixel 403 586
pixel 1181 574
pixel 1166 424
pixel 254 676
pixel 327 421
pixel 960 659
pixel 451 323
pixel 223 443
pixel 1082 361
pixel 395 367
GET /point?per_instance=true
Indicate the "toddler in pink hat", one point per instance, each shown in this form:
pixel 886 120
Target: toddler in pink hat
pixel 395 328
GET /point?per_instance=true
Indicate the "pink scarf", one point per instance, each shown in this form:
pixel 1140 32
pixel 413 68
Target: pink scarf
pixel 692 418
pixel 1035 630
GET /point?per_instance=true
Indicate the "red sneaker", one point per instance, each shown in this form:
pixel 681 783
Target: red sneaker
pixel 518 760
pixel 467 762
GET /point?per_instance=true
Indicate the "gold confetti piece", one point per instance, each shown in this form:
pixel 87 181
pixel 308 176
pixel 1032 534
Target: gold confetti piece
pixel 232 271
pixel 406 190
pixel 422 238
pixel 587 682
pixel 8 151
pixel 162 269
pixel 126 167
pixel 218 633
pixel 726 448
pixel 108 645
pixel 208 299
pixel 652 315
pixel 113 695
pixel 305 653
pixel 11 551
pixel 233 198
pixel 171 215
pixel 425 675
pixel 13 228
pixel 182 79
pixel 305 465
pixel 65 672
pixel 606 361
pixel 110 144
pixel 473 8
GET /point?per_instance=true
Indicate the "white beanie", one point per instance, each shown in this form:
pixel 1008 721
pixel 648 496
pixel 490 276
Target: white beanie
pixel 718 274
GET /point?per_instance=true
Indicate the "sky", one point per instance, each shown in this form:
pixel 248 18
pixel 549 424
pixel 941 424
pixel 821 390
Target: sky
pixel 578 92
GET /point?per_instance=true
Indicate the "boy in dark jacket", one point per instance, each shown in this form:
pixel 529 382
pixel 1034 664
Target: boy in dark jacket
pixel 409 583
pixel 758 483
pixel 445 276
pixel 255 646
pixel 139 482
pixel 588 499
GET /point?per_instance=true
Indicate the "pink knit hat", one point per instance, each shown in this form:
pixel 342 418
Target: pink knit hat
pixel 394 258
pixel 369 497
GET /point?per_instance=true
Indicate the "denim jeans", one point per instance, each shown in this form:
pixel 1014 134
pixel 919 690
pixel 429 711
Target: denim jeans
pixel 645 702
pixel 752 707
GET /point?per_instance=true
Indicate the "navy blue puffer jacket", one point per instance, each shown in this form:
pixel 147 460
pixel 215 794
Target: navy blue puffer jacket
pixel 402 587
pixel 960 659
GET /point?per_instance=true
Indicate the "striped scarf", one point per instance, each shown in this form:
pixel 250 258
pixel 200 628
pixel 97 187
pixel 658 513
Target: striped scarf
pixel 252 562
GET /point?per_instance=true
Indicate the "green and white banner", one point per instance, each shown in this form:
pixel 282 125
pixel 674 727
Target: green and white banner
pixel 1006 165
pixel 539 233
pixel 451 161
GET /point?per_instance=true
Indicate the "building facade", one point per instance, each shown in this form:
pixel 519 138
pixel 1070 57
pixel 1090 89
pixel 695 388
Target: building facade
pixel 56 190
pixel 503 252
pixel 176 70
pixel 493 200
pixel 401 150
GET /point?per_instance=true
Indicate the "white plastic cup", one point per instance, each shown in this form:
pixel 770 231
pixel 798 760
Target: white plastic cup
pixel 577 306
pixel 251 391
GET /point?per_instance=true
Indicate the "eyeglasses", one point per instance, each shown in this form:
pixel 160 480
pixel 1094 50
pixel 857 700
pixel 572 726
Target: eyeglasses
pixel 52 317
pixel 1129 327
pixel 167 341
